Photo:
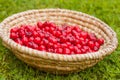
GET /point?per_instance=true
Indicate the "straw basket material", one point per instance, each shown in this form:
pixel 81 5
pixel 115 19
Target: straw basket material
pixel 57 63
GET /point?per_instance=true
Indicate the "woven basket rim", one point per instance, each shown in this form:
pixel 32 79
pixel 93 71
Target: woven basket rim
pixel 52 56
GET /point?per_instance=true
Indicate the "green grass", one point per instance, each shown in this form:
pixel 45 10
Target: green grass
pixel 107 10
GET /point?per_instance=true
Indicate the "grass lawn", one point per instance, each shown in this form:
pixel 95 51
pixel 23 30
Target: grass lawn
pixel 107 10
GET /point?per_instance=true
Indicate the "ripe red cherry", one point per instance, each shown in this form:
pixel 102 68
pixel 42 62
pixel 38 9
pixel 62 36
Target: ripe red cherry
pixel 59 50
pixel 97 44
pixel 41 35
pixel 35 34
pixel 30 44
pixel 92 37
pixel 77 50
pixel 79 46
pixel 50 50
pixel 35 46
pixel 74 32
pixel 83 51
pixel 37 40
pixel 39 24
pixel 63 39
pixel 91 44
pixel 84 34
pixel 68 43
pixel 95 48
pixel 25 40
pixel 21 33
pixel 68 30
pixel 18 41
pixel 101 41
pixel 76 28
pixel 42 48
pixel 46 42
pixel 14 30
pixel 71 48
pixel 46 28
pixel 64 45
pixel 13 35
pixel 31 39
pixel 51 29
pixel 57 33
pixel 52 40
pixel 66 51
pixel 28 33
pixel 86 48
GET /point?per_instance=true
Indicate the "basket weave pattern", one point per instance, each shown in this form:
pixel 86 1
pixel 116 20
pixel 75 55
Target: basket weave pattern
pixel 57 63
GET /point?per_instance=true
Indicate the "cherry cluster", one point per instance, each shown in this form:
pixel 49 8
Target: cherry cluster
pixel 56 39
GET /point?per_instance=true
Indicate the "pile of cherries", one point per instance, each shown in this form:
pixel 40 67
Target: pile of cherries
pixel 56 39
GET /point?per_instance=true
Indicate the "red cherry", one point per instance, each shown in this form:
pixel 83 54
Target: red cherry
pixel 13 35
pixel 35 34
pixel 37 40
pixel 64 45
pixel 46 42
pixel 52 40
pixel 77 29
pixel 92 37
pixel 57 33
pixel 50 50
pixel 68 30
pixel 79 46
pixel 71 39
pixel 25 40
pixel 39 24
pixel 63 39
pixel 42 48
pixel 30 44
pixel 48 24
pixel 14 30
pixel 86 48
pixel 91 44
pixel 83 51
pixel 28 33
pixel 64 33
pixel 50 45
pixel 66 51
pixel 77 50
pixel 31 39
pixel 35 46
pixel 37 29
pixel 95 48
pixel 97 44
pixel 101 41
pixel 77 41
pixel 55 46
pixel 51 29
pixel 82 41
pixel 74 32
pixel 59 50
pixel 46 28
pixel 68 43
pixel 18 41
pixel 41 35
pixel 84 34
pixel 71 48
pixel 21 33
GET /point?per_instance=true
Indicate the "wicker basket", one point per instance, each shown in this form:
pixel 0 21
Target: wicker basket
pixel 57 63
